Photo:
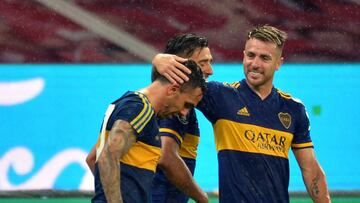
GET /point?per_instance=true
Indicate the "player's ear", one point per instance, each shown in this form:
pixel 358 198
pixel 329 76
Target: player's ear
pixel 279 63
pixel 173 89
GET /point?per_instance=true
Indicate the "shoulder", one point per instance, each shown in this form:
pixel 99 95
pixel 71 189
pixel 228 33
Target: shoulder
pixel 288 98
pixel 214 87
pixel 134 108
pixel 179 120
pixel 293 103
pixel 224 84
pixel 133 100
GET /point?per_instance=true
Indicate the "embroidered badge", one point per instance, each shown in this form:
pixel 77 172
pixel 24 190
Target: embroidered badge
pixel 183 119
pixel 285 119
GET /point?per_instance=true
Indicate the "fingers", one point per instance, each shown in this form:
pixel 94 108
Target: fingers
pixel 177 63
pixel 167 76
pixel 176 71
pixel 171 67
pixel 180 59
pixel 177 74
pixel 175 78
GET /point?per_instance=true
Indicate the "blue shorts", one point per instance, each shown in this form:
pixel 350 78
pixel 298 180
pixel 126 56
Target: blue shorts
pixel 163 191
pixel 135 185
pixel 167 193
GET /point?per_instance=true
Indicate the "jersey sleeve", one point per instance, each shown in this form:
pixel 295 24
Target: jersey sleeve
pixel 173 128
pixel 302 137
pixel 136 110
pixel 177 127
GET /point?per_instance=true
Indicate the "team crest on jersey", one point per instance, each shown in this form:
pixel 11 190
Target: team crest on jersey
pixel 183 119
pixel 285 119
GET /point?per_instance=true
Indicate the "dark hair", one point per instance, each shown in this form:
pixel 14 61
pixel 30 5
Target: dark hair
pixel 268 33
pixel 196 78
pixel 182 45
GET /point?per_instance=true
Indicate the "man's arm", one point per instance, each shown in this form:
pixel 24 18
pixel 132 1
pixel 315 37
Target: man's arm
pixel 91 158
pixel 170 67
pixel 121 138
pixel 177 172
pixel 313 175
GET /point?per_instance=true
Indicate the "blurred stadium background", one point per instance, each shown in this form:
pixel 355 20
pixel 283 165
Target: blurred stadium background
pixel 63 61
pixel 42 31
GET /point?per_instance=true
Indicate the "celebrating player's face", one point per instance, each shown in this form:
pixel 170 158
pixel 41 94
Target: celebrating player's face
pixel 261 60
pixel 203 57
pixel 181 103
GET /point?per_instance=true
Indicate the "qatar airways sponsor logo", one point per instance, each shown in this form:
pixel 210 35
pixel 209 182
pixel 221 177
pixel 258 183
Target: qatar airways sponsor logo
pixel 266 141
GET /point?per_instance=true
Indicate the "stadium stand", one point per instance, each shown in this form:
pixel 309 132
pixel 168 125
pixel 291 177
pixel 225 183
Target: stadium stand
pixel 319 31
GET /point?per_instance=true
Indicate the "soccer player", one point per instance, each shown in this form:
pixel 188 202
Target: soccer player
pixel 255 125
pixel 128 147
pixel 173 181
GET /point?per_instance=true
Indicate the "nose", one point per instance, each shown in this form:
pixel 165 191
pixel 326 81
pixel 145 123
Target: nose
pixel 256 62
pixel 184 111
pixel 208 70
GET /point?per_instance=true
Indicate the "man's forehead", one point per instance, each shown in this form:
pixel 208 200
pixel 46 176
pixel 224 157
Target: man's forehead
pixel 259 44
pixel 259 52
pixel 201 53
pixel 261 48
pixel 196 95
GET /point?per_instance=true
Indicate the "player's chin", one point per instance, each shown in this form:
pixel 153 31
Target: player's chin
pixel 255 81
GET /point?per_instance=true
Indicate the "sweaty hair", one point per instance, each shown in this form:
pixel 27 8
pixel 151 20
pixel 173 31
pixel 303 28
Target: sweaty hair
pixel 196 78
pixel 268 33
pixel 182 45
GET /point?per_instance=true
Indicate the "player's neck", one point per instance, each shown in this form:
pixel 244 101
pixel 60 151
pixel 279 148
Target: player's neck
pixel 155 94
pixel 262 91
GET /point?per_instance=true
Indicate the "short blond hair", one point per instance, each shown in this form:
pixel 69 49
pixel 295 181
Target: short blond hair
pixel 268 33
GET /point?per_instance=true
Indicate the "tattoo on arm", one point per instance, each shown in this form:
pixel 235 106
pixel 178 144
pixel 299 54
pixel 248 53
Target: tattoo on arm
pixel 315 186
pixel 121 138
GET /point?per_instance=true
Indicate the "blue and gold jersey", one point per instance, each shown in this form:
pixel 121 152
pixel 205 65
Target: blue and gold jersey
pixel 185 131
pixel 253 138
pixel 139 163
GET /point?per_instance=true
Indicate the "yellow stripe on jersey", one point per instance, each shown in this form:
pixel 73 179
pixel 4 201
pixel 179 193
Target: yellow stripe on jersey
pixel 144 116
pixel 230 135
pixel 142 155
pixel 189 146
pixel 148 118
pixel 235 84
pixel 283 94
pixel 168 130
pixel 302 145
